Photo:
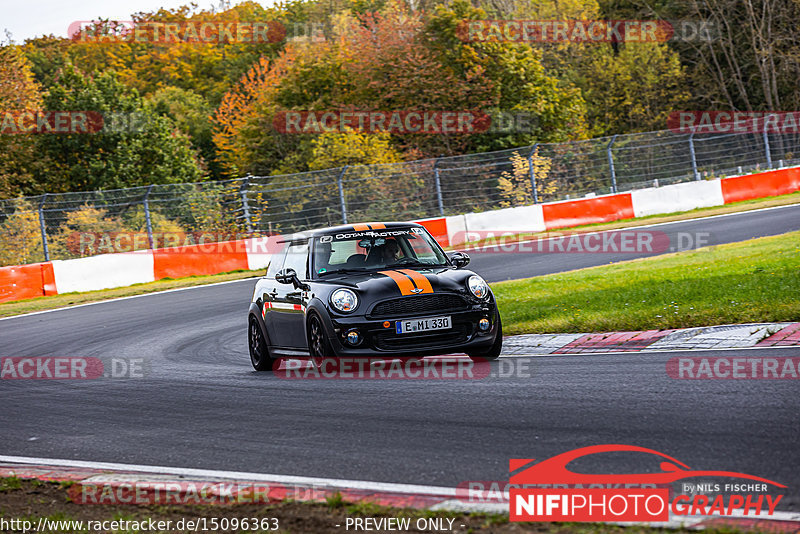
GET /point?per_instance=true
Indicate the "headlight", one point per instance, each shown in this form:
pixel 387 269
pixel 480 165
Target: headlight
pixel 478 287
pixel 344 300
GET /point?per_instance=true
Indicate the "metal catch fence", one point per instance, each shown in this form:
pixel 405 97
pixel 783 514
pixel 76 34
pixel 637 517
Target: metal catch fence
pixel 52 226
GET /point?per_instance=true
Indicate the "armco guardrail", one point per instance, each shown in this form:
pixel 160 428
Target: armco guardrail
pixel 447 186
pixel 115 270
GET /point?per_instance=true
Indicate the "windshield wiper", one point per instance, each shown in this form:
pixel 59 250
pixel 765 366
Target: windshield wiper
pixel 416 264
pixel 344 271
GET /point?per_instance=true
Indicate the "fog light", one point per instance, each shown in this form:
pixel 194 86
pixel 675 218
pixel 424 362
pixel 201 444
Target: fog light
pixel 484 324
pixel 353 337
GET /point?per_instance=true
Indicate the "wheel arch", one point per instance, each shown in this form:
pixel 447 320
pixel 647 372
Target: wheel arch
pixel 318 307
pixel 255 312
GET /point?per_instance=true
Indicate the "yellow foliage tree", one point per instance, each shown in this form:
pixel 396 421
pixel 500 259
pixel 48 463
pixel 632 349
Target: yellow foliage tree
pixel 19 91
pixel 65 243
pixel 515 187
pixel 20 239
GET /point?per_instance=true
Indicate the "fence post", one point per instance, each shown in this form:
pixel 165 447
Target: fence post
pixel 766 146
pixel 147 219
pixel 533 174
pixel 246 205
pixel 438 187
pixel 611 165
pixel 694 158
pixel 45 248
pixel 341 194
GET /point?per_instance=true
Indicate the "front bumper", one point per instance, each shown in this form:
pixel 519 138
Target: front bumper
pixel 379 337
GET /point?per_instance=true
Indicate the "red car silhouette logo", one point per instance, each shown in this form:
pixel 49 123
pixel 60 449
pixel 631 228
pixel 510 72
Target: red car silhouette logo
pixel 554 470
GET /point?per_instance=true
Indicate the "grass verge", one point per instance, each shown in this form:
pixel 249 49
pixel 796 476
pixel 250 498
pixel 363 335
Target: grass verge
pixel 18 307
pixel 736 207
pixel 751 281
pixel 33 500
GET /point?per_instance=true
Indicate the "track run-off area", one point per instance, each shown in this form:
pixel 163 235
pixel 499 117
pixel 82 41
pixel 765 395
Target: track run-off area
pixel 199 404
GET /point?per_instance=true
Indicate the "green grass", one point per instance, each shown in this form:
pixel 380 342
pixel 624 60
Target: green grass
pixel 10 483
pixel 750 281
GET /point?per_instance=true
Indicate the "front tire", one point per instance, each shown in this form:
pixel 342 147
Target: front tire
pixel 259 354
pixel 494 351
pixel 318 345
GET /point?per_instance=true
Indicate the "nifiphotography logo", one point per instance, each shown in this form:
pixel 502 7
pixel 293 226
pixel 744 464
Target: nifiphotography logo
pixel 571 496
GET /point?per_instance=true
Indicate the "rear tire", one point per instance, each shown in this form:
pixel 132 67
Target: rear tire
pixel 259 354
pixel 494 351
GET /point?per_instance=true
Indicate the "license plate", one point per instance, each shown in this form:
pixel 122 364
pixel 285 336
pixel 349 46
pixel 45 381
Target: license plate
pixel 407 326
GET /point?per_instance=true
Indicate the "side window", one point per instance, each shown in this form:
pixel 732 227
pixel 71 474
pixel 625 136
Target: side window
pixel 297 259
pixel 276 264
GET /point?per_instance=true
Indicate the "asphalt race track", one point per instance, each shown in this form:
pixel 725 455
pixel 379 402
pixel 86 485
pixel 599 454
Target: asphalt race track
pixel 201 405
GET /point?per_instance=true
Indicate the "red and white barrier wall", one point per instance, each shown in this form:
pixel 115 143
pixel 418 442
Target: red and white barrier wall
pixel 117 270
pixel 652 201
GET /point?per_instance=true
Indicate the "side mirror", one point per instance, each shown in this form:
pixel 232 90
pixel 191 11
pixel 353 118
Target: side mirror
pixel 459 259
pixel 289 276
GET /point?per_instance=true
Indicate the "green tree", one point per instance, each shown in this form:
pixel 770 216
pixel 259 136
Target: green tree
pixel 142 148
pixel 192 114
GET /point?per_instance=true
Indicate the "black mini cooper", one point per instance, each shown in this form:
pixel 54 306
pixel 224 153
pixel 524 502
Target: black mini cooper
pixel 370 290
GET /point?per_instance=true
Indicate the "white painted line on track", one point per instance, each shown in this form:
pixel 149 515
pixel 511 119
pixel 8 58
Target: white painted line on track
pixel 438 491
pixel 126 298
pixel 567 230
pixel 238 475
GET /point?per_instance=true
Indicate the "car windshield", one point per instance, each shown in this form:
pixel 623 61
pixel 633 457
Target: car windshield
pixel 375 250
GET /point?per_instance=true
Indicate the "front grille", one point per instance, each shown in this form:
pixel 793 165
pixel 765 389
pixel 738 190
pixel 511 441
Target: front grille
pixel 392 341
pixel 419 305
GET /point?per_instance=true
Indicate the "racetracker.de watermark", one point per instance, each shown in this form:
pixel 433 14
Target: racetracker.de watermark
pixel 428 368
pixel 70 368
pixel 90 243
pixel 404 122
pixel 585 31
pixel 180 493
pixel 734 122
pixel 610 242
pixel 172 32
pixel 70 122
pixel 393 122
pixel 734 368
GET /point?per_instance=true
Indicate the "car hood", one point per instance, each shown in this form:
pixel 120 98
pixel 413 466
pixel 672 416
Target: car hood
pixel 377 283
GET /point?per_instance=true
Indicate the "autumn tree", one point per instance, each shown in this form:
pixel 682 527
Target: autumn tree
pixel 516 188
pixel 19 91
pixel 515 77
pixel 636 89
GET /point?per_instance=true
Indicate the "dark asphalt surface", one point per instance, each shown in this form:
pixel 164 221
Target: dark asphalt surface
pixel 201 405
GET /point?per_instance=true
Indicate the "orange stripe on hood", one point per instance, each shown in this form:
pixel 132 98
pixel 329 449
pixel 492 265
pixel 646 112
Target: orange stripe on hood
pixel 360 227
pixel 403 282
pixel 420 280
pixel 379 226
